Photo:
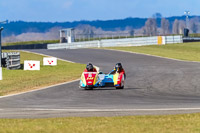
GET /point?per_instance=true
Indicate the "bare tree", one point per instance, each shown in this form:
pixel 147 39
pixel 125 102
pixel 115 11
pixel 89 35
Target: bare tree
pixel 86 30
pixel 130 30
pixel 194 25
pixel 182 26
pixel 157 15
pixel 165 26
pixel 51 34
pixel 150 27
pixel 176 27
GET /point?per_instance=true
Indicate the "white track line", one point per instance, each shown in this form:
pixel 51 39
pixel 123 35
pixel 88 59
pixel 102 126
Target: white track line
pixel 151 55
pixel 40 88
pixel 106 110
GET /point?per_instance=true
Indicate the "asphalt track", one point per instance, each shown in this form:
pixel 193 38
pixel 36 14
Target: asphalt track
pixel 154 86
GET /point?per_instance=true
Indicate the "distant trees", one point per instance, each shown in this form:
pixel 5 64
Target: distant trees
pixel 157 15
pixel 86 30
pixel 182 25
pixel 194 25
pixel 156 25
pixel 130 30
pixel 175 28
pixel 51 34
pixel 165 26
pixel 178 27
pixel 150 27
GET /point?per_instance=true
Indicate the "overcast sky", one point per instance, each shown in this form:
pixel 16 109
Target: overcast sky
pixel 75 10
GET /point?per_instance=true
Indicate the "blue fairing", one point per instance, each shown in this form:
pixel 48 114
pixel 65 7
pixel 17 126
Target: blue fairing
pixel 107 80
pixel 82 84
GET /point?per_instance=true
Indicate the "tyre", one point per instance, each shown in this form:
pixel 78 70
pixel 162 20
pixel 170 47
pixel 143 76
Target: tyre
pixel 89 88
pixel 120 87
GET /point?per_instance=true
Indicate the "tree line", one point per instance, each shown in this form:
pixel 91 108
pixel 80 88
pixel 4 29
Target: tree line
pixel 156 25
pixel 177 27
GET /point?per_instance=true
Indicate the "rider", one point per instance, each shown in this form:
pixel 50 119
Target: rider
pixel 90 68
pixel 118 68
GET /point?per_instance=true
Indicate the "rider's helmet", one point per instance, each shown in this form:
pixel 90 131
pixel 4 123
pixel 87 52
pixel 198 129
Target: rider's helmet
pixel 89 67
pixel 118 67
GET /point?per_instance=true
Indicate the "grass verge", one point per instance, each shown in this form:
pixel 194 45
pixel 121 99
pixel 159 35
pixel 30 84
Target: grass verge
pixel 185 51
pixel 189 123
pixel 15 81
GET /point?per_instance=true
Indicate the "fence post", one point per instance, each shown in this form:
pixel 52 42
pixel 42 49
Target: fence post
pixel 99 45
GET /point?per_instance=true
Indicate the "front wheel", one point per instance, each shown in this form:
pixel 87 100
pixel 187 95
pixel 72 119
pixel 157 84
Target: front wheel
pixel 89 88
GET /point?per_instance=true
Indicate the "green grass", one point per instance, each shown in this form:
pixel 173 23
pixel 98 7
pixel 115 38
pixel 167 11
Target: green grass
pixel 15 81
pixel 195 35
pixel 31 42
pixel 185 51
pixel 189 123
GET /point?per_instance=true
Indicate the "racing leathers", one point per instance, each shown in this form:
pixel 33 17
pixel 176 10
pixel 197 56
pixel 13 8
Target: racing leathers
pixel 121 71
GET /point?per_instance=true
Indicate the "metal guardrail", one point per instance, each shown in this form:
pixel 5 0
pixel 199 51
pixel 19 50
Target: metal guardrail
pixel 173 39
pixel 141 41
pixel 11 60
pixel 129 42
pixel 191 39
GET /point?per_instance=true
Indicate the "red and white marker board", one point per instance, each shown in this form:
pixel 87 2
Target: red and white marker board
pixel 31 65
pixel 49 61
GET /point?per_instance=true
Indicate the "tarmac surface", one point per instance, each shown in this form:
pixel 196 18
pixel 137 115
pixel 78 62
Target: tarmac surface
pixel 154 86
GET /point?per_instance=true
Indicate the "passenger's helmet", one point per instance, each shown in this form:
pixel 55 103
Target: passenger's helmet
pixel 89 67
pixel 118 67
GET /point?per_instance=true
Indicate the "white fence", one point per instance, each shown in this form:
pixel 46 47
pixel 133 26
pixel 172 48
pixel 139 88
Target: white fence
pixel 141 41
pixel 173 39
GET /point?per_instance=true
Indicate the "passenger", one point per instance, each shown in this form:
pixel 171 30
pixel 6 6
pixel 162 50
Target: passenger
pixel 90 68
pixel 118 68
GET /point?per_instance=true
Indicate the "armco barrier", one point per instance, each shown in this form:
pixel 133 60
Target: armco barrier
pixel 28 46
pixel 191 39
pixel 74 45
pixel 141 41
pixel 173 39
pixel 129 42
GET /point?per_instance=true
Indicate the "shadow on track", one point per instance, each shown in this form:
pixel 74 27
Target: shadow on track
pixel 111 89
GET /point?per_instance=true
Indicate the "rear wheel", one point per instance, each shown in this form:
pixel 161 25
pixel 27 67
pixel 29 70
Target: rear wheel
pixel 122 84
pixel 120 87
